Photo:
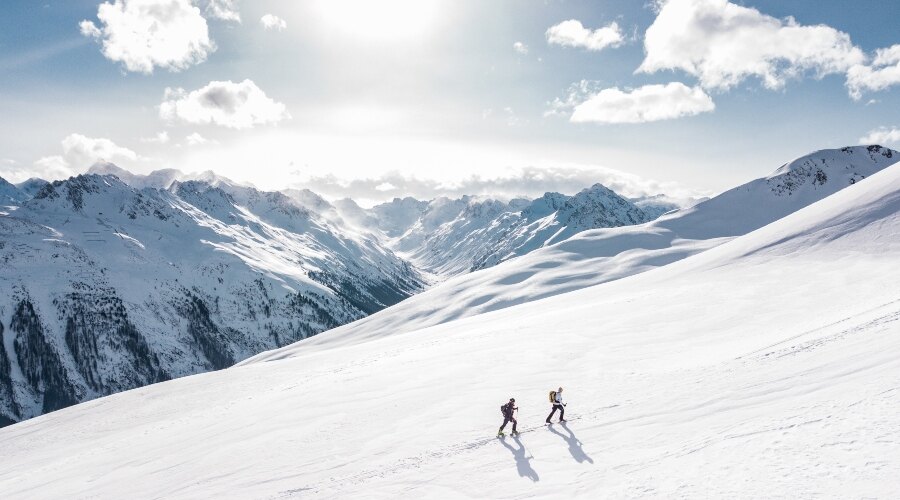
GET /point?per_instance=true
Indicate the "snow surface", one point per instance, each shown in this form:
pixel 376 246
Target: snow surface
pixel 766 367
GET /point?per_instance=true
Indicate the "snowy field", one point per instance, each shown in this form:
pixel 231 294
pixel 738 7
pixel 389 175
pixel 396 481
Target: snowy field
pixel 766 367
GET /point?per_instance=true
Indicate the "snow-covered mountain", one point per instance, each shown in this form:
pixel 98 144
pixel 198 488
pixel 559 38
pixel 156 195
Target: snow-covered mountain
pixel 766 367
pixel 10 194
pixel 448 237
pixel 108 287
pixel 116 280
pixel 598 256
pixel 31 186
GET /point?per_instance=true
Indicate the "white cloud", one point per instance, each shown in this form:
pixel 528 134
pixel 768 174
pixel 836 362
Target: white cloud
pixel 883 72
pixel 273 22
pixel 89 29
pixel 50 168
pixel 79 153
pixel 385 186
pixel 882 136
pixel 649 103
pixel 521 48
pixel 572 33
pixel 723 43
pixel 196 139
pixel 530 182
pixel 227 104
pixel 145 34
pixel 225 10
pixel 160 138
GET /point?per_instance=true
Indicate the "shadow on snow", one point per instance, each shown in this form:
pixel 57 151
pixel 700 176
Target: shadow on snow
pixel 523 459
pixel 574 444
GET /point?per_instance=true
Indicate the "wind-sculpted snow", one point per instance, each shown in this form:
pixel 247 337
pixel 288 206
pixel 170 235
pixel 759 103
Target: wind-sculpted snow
pixel 108 287
pixel 766 367
pixel 597 256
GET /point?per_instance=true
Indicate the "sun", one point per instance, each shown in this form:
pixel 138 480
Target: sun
pixel 380 20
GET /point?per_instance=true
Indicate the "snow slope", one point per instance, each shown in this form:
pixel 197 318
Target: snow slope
pixel 767 367
pixel 598 256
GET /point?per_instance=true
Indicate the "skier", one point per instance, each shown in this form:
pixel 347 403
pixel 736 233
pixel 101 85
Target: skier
pixel 557 402
pixel 507 411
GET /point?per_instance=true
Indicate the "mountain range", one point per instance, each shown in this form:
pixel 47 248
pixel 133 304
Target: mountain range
pixel 115 280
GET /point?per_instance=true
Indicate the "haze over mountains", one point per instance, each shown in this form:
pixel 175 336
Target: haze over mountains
pixel 116 280
pixel 772 356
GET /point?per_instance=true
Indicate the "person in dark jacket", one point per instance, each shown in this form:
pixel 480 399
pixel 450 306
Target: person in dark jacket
pixel 558 405
pixel 507 411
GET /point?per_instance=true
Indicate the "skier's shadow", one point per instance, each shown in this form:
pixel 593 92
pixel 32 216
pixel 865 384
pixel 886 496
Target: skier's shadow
pixel 523 462
pixel 574 444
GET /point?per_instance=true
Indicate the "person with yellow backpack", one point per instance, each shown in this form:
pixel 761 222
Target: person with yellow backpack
pixel 557 402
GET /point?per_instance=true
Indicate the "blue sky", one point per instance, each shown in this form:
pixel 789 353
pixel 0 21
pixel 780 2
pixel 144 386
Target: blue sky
pixel 418 96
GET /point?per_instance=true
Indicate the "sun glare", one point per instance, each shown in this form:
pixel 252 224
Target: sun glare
pixel 380 20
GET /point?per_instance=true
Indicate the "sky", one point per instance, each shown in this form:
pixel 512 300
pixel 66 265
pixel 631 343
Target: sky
pixel 375 99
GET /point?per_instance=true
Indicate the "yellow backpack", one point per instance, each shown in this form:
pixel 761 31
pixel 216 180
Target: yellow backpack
pixel 553 396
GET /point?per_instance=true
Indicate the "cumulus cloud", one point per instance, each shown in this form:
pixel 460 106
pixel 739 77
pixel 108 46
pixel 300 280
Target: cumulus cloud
pixel 883 72
pixel 528 182
pixel 649 103
pixel 225 10
pixel 79 152
pixel 521 48
pixel 228 104
pixel 145 34
pixel 273 22
pixel 82 152
pixel 723 43
pixel 883 135
pixel 49 168
pixel 89 29
pixel 572 33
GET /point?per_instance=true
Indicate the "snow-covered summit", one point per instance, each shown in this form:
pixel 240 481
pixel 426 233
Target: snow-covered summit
pixel 31 186
pixel 159 179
